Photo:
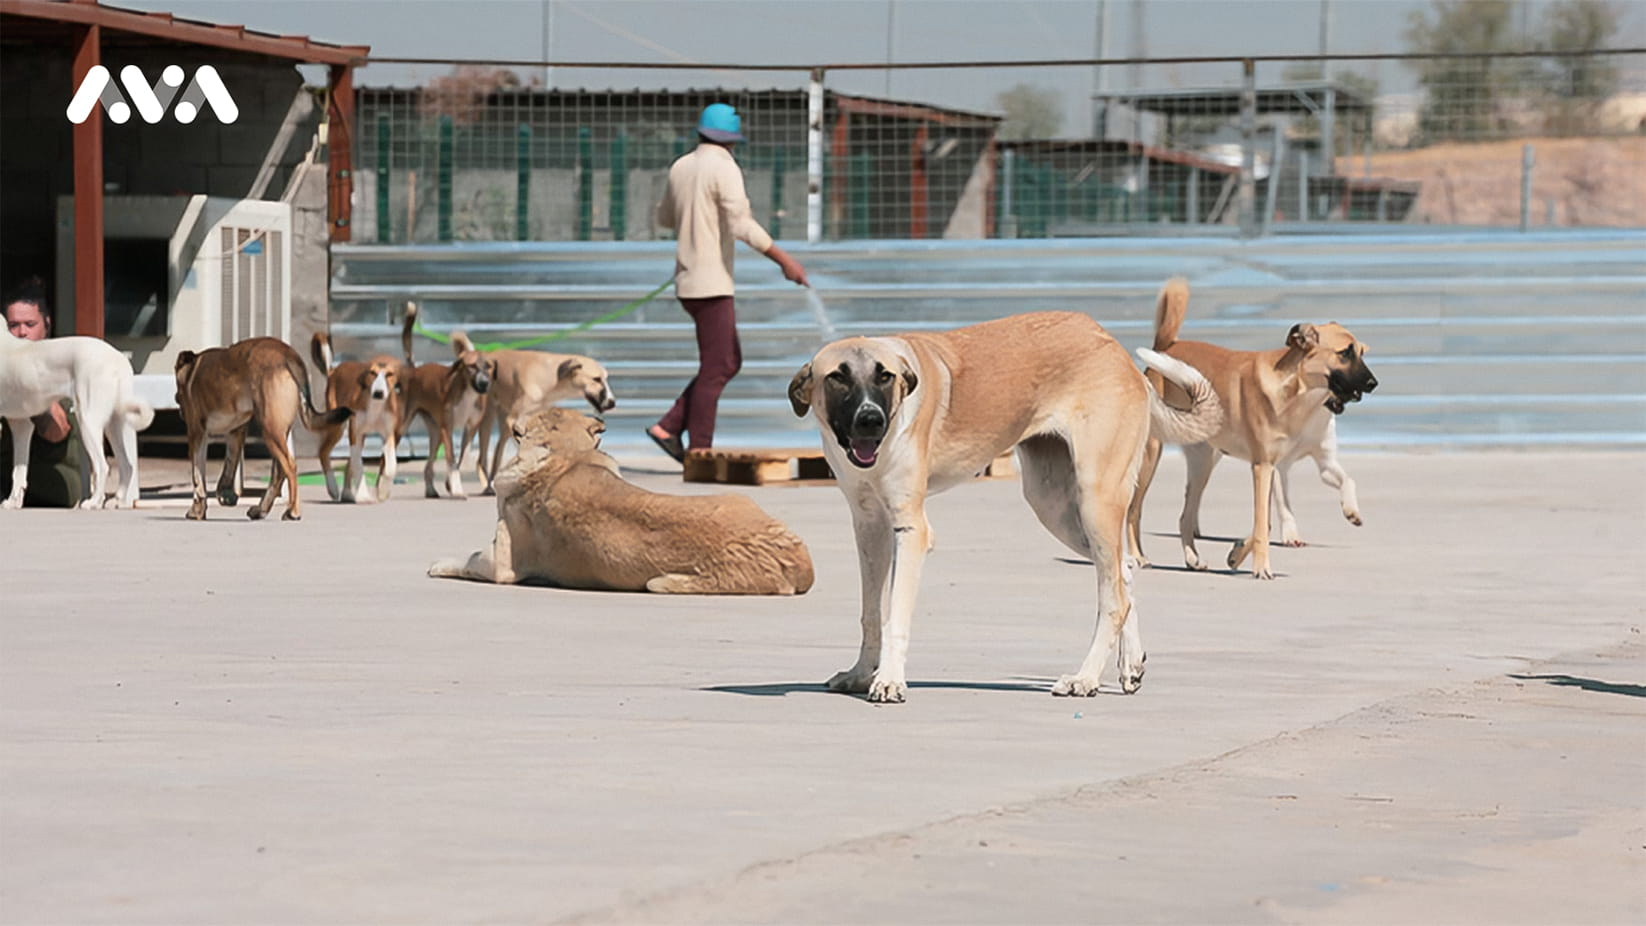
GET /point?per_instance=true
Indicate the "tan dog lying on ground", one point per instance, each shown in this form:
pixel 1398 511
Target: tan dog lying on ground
pixel 529 381
pixel 1278 408
pixel 566 517
pixel 448 397
pixel 371 390
pixel 222 390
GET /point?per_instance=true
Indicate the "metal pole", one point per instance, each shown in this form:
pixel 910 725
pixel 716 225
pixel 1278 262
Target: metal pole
pixel 814 158
pixel 443 181
pixel 1246 208
pixel 1100 77
pixel 1192 211
pixel 1528 157
pixel 1277 150
pixel 1303 186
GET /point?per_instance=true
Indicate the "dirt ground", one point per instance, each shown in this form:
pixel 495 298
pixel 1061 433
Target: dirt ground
pixel 1575 181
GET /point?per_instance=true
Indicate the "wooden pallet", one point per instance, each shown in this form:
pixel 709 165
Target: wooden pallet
pixel 790 464
pixel 756 467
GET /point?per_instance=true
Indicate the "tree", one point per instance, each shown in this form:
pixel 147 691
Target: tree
pixel 1462 98
pixel 1031 112
pixel 1577 84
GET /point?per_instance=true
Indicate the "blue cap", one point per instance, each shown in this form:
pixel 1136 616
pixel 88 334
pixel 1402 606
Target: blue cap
pixel 720 122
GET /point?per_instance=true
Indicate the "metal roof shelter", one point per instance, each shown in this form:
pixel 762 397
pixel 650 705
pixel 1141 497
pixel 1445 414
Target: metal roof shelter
pixel 84 28
pixel 1324 99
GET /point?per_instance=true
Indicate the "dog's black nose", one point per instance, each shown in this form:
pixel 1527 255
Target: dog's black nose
pixel 869 418
pixel 379 394
pixel 1371 383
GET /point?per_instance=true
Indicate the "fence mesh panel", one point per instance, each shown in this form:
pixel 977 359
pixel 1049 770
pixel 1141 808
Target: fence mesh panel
pixel 483 154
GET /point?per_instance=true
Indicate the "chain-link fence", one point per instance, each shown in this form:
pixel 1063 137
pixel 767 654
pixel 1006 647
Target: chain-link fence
pixel 482 154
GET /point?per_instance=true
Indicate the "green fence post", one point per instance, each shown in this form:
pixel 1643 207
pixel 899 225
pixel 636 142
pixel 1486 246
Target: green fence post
pixel 443 182
pixel 585 183
pixel 383 179
pixel 620 187
pixel 862 170
pixel 777 192
pixel 523 182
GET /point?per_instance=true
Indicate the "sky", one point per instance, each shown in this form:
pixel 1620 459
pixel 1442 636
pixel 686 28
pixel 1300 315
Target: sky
pixel 812 32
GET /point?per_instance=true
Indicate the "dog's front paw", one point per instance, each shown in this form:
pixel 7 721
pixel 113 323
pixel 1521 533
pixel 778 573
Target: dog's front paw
pixel 887 690
pixel 1192 560
pixel 91 504
pixel 1239 552
pixel 1262 572
pixel 14 500
pixel 1352 516
pixel 255 513
pixel 1075 686
pixel 227 498
pixel 852 681
pixel 197 511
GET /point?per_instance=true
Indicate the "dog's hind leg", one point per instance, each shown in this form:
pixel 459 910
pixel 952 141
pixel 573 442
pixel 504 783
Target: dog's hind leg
pixel 123 438
pixel 197 470
pixel 1100 499
pixel 22 431
pixel 1201 458
pixel 231 480
pixel 91 441
pixel 1134 512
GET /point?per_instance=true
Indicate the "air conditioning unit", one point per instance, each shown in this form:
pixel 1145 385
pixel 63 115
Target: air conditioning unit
pixel 183 273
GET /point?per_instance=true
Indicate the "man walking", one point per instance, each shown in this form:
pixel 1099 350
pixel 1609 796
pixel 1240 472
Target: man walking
pixel 706 204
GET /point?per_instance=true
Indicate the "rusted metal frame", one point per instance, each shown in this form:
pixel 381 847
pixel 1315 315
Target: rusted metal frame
pixel 340 153
pixel 165 26
pixel 88 197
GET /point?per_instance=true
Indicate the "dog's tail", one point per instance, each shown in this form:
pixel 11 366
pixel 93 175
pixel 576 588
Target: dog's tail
pixel 320 353
pixel 1169 309
pixel 1191 425
pixel 461 343
pixel 138 412
pixel 313 418
pixel 406 332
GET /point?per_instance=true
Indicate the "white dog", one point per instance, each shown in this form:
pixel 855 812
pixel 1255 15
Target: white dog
pixel 98 378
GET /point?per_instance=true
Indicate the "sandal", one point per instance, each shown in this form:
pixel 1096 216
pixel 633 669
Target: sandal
pixel 670 445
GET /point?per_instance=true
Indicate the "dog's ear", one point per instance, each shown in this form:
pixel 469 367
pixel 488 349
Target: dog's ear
pixel 461 344
pixel 569 368
pixel 800 389
pixel 910 381
pixel 596 428
pixel 1303 336
pixel 185 359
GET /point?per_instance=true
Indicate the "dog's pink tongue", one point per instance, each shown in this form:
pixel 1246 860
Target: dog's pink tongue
pixel 864 451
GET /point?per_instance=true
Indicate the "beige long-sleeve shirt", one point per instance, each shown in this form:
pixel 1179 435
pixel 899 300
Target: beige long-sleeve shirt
pixel 707 206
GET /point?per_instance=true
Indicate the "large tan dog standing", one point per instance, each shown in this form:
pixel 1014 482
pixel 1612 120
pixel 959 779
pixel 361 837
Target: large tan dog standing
pixel 1279 407
pixel 529 381
pixel 222 390
pixel 909 415
pixel 566 517
pixel 450 398
pixel 372 391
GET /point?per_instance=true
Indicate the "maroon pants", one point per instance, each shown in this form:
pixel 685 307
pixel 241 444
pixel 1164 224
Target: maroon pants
pixel 719 357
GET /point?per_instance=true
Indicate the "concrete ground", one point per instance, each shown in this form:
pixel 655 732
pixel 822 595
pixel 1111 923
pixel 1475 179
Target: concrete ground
pixel 1438 717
